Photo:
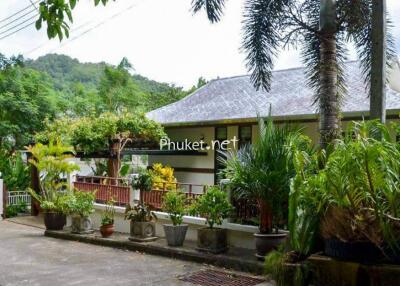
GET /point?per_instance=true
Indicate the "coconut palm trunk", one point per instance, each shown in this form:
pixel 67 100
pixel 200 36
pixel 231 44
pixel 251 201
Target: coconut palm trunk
pixel 378 61
pixel 328 88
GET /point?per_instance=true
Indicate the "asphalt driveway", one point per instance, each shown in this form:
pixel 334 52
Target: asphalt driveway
pixel 29 258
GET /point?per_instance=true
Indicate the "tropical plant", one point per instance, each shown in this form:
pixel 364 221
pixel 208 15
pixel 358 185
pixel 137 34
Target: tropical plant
pixel 214 206
pixel 321 28
pixel 15 173
pixel 52 165
pixel 140 213
pixel 107 217
pixel 162 176
pixel 262 172
pixel 81 203
pixel 144 181
pixel 174 203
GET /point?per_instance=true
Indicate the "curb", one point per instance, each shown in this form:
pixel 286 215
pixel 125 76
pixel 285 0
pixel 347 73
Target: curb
pixel 234 263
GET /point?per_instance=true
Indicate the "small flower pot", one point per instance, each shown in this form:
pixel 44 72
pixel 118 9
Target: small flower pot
pixel 175 234
pixel 106 230
pixel 81 225
pixel 213 240
pixel 143 231
pixel 268 242
pixel 54 221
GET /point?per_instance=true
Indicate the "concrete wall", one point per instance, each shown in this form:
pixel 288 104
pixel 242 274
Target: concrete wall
pixel 238 235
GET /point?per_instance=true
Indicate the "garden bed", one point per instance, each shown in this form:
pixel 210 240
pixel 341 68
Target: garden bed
pixel 236 258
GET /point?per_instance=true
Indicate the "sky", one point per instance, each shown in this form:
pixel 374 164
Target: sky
pixel 161 38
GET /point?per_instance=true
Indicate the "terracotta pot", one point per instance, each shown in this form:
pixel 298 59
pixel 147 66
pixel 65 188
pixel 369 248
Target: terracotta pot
pixel 213 240
pixel 107 230
pixel 268 242
pixel 54 221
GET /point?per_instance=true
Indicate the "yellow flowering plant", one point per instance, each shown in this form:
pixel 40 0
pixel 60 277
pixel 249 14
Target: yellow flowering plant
pixel 163 175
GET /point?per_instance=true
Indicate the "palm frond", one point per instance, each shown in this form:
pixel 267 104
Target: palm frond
pixel 214 8
pixel 261 39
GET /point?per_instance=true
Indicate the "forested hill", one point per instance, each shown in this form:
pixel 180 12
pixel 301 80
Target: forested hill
pixel 66 72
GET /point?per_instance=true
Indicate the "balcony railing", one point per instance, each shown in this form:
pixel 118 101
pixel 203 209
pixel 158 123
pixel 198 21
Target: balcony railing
pixel 106 188
pixel 119 189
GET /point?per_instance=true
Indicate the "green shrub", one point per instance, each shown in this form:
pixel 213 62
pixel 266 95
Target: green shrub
pixel 213 206
pixel 81 203
pixel 174 204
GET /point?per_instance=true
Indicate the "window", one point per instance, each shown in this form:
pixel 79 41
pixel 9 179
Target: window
pixel 244 135
pixel 221 134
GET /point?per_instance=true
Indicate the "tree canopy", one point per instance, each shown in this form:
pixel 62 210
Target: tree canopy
pixel 91 134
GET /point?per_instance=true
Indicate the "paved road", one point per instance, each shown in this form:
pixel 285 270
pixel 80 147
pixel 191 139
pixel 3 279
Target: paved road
pixel 29 258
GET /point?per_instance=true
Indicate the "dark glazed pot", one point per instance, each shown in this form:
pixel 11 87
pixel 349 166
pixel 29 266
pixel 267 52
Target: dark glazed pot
pixel 213 240
pixel 268 242
pixel 360 251
pixel 54 221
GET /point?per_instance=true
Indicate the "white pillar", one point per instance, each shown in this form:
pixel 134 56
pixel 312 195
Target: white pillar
pixel 1 199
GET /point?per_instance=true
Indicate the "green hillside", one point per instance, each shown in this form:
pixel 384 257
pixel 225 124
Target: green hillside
pixel 67 71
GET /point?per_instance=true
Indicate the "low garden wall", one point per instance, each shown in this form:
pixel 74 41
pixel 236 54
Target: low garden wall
pixel 238 235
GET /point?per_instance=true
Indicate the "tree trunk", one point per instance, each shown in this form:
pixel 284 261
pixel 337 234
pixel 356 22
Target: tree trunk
pixel 378 61
pixel 114 162
pixel 265 216
pixel 328 93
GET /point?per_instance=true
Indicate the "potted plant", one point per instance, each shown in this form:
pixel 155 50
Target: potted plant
pixel 143 181
pixel 142 222
pixel 174 204
pixel 262 172
pixel 214 207
pixel 81 205
pixel 50 161
pixel 107 219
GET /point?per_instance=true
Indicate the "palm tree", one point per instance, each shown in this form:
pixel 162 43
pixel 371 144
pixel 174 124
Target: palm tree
pixel 378 61
pixel 321 29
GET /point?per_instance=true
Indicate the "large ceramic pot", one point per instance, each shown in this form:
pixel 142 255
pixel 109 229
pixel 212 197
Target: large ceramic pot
pixel 268 242
pixel 353 251
pixel 81 225
pixel 175 234
pixel 107 230
pixel 142 231
pixel 213 240
pixel 54 220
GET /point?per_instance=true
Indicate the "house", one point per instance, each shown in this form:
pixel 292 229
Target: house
pixel 226 108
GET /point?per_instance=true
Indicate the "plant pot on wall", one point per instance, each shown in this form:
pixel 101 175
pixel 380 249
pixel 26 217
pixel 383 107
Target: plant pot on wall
pixel 54 220
pixel 106 230
pixel 213 240
pixel 175 234
pixel 268 242
pixel 81 225
pixel 142 231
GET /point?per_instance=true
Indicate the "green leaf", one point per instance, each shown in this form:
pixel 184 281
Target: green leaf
pixel 38 24
pixel 72 3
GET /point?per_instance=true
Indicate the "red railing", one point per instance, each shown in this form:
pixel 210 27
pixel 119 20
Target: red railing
pixel 106 188
pixel 155 197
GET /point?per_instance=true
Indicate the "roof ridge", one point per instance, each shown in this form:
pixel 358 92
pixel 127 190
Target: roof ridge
pixel 274 71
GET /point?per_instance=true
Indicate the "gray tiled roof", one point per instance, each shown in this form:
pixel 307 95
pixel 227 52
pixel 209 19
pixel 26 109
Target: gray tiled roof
pixel 235 98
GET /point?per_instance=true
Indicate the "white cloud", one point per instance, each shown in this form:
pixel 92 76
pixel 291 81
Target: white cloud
pixel 162 39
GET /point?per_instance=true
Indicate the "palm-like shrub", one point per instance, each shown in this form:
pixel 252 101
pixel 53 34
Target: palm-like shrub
pixel 263 171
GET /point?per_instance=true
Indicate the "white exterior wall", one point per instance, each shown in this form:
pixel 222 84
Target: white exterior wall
pixel 202 162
